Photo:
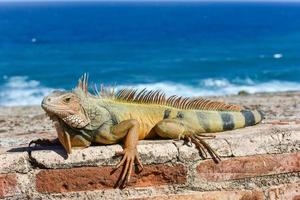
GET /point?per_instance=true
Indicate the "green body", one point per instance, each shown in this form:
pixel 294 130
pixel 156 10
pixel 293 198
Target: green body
pixel 82 118
pixel 158 120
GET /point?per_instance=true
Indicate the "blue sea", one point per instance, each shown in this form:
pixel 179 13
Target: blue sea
pixel 189 49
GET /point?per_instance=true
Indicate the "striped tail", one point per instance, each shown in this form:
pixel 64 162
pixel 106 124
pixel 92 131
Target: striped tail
pixel 217 121
pixel 244 118
pixel 252 117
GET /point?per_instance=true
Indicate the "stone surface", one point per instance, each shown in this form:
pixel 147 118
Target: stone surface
pixel 220 195
pixel 14 162
pixel 93 156
pixel 160 151
pixel 92 178
pixel 150 152
pixel 260 139
pixel 285 192
pixel 251 166
pixel 85 173
pixel 19 125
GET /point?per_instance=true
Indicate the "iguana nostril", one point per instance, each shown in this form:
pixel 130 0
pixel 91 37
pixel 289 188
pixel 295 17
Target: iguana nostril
pixel 48 99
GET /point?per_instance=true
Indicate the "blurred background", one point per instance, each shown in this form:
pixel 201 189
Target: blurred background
pixel 186 48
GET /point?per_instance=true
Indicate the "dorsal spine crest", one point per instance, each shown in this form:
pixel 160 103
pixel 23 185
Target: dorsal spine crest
pixel 155 97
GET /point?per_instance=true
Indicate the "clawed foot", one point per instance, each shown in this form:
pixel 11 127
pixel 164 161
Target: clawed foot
pixel 202 146
pixel 40 142
pixel 129 158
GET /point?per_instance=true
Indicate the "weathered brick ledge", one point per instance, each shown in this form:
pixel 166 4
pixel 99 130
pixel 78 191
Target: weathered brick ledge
pixel 260 162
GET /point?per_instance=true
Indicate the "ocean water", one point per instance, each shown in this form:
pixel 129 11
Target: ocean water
pixel 189 49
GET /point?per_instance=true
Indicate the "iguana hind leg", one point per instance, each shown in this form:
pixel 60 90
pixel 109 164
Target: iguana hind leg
pixel 180 129
pixel 129 130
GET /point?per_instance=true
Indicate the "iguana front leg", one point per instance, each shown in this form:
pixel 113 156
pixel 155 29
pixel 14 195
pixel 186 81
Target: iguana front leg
pixel 63 137
pixel 67 140
pixel 129 129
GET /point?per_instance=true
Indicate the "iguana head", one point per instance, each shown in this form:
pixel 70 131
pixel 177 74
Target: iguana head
pixel 75 113
pixel 67 107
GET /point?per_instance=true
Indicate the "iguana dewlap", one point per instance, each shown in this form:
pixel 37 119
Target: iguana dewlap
pixel 128 116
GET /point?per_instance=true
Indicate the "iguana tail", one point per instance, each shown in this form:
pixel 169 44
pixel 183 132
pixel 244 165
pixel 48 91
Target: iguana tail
pixel 217 121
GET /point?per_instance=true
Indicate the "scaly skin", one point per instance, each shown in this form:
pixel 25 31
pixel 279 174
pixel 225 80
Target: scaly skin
pixel 81 119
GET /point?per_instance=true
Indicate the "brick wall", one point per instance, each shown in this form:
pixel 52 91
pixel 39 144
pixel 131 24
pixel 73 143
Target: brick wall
pixel 261 162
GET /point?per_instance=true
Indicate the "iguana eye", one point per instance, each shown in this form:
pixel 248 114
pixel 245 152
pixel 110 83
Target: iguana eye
pixel 67 100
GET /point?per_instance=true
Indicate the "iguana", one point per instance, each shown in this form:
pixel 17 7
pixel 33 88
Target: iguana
pixel 106 117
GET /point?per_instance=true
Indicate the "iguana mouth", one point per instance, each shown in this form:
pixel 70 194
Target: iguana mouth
pixel 52 116
pixel 53 110
pixel 68 117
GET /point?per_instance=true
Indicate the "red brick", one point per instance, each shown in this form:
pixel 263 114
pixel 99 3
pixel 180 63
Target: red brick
pixel 92 178
pixel 214 195
pixel 297 197
pixel 8 183
pixel 287 192
pixel 251 166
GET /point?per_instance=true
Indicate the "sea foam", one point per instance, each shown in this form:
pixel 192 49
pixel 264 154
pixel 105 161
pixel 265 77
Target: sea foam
pixel 218 87
pixel 20 90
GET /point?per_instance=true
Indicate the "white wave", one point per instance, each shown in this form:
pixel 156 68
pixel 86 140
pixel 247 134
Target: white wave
pixel 271 86
pixel 210 82
pixel 168 88
pixel 217 87
pixel 277 55
pixel 19 91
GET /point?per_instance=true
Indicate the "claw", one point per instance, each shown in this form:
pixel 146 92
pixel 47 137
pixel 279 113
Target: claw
pixel 126 171
pixel 203 147
pixel 128 160
pixel 216 158
pixel 39 142
pixel 139 163
pixel 120 163
pixel 188 141
pixel 200 148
